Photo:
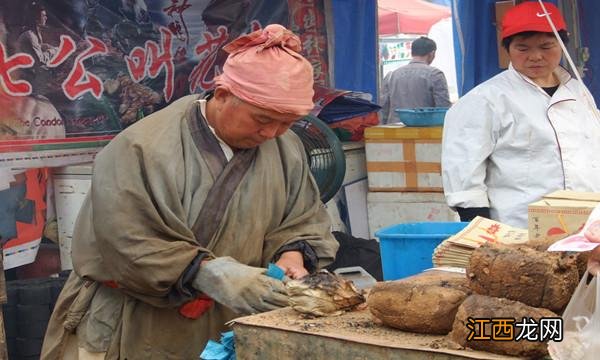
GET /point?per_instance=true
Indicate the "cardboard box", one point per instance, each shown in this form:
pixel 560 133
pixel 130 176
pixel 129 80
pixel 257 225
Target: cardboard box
pixel 560 214
pixel 403 159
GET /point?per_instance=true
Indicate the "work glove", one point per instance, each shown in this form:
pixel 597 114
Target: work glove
pixel 242 288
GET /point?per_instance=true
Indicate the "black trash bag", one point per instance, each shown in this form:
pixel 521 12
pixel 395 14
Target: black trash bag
pixel 357 252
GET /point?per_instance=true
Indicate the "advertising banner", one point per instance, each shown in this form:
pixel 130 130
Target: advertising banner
pixel 74 73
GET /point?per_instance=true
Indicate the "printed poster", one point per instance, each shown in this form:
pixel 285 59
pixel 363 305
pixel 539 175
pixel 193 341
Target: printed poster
pixel 74 73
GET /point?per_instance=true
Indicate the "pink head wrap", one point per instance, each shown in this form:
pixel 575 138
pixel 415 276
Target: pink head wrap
pixel 265 69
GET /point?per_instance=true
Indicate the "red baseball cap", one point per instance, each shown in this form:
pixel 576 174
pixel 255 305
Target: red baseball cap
pixel 529 16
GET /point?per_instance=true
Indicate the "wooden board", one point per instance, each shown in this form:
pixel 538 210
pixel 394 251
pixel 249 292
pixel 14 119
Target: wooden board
pixel 284 334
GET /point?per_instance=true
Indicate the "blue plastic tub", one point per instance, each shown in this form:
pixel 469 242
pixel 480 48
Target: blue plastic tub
pixel 406 249
pixel 427 116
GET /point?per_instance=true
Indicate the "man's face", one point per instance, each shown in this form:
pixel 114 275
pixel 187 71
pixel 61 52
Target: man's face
pixel 43 18
pixel 242 125
pixel 536 57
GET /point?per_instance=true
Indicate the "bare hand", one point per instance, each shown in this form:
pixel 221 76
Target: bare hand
pixel 292 263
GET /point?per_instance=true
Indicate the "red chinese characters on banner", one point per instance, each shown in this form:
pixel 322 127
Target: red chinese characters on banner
pixel 307 16
pixel 313 45
pixel 177 23
pixel 102 65
pixel 79 81
pixel 162 58
pixel 149 61
pixel 207 54
pixel 12 63
pixel 136 63
pixel 65 49
pixel 307 20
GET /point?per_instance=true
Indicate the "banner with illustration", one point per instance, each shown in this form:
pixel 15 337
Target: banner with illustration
pixel 22 216
pixel 74 73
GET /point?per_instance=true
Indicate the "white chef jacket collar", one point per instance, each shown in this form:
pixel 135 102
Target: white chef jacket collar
pixel 562 74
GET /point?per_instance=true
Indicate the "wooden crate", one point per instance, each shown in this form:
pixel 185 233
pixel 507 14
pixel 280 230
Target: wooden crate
pixel 403 159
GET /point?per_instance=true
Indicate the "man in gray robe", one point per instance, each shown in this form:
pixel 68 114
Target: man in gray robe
pixel 187 208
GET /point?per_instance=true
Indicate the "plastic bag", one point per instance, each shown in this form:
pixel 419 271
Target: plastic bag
pixel 581 327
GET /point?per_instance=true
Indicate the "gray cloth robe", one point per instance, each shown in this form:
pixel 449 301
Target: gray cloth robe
pixel 135 228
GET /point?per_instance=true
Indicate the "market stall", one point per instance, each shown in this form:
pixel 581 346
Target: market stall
pixel 93 109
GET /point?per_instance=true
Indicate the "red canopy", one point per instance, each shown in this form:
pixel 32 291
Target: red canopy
pixel 409 16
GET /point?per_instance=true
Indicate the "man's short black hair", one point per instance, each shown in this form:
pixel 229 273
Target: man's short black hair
pixel 422 46
pixel 564 36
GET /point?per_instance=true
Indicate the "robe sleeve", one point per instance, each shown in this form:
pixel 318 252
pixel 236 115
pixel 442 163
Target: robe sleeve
pixel 136 217
pixel 306 218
